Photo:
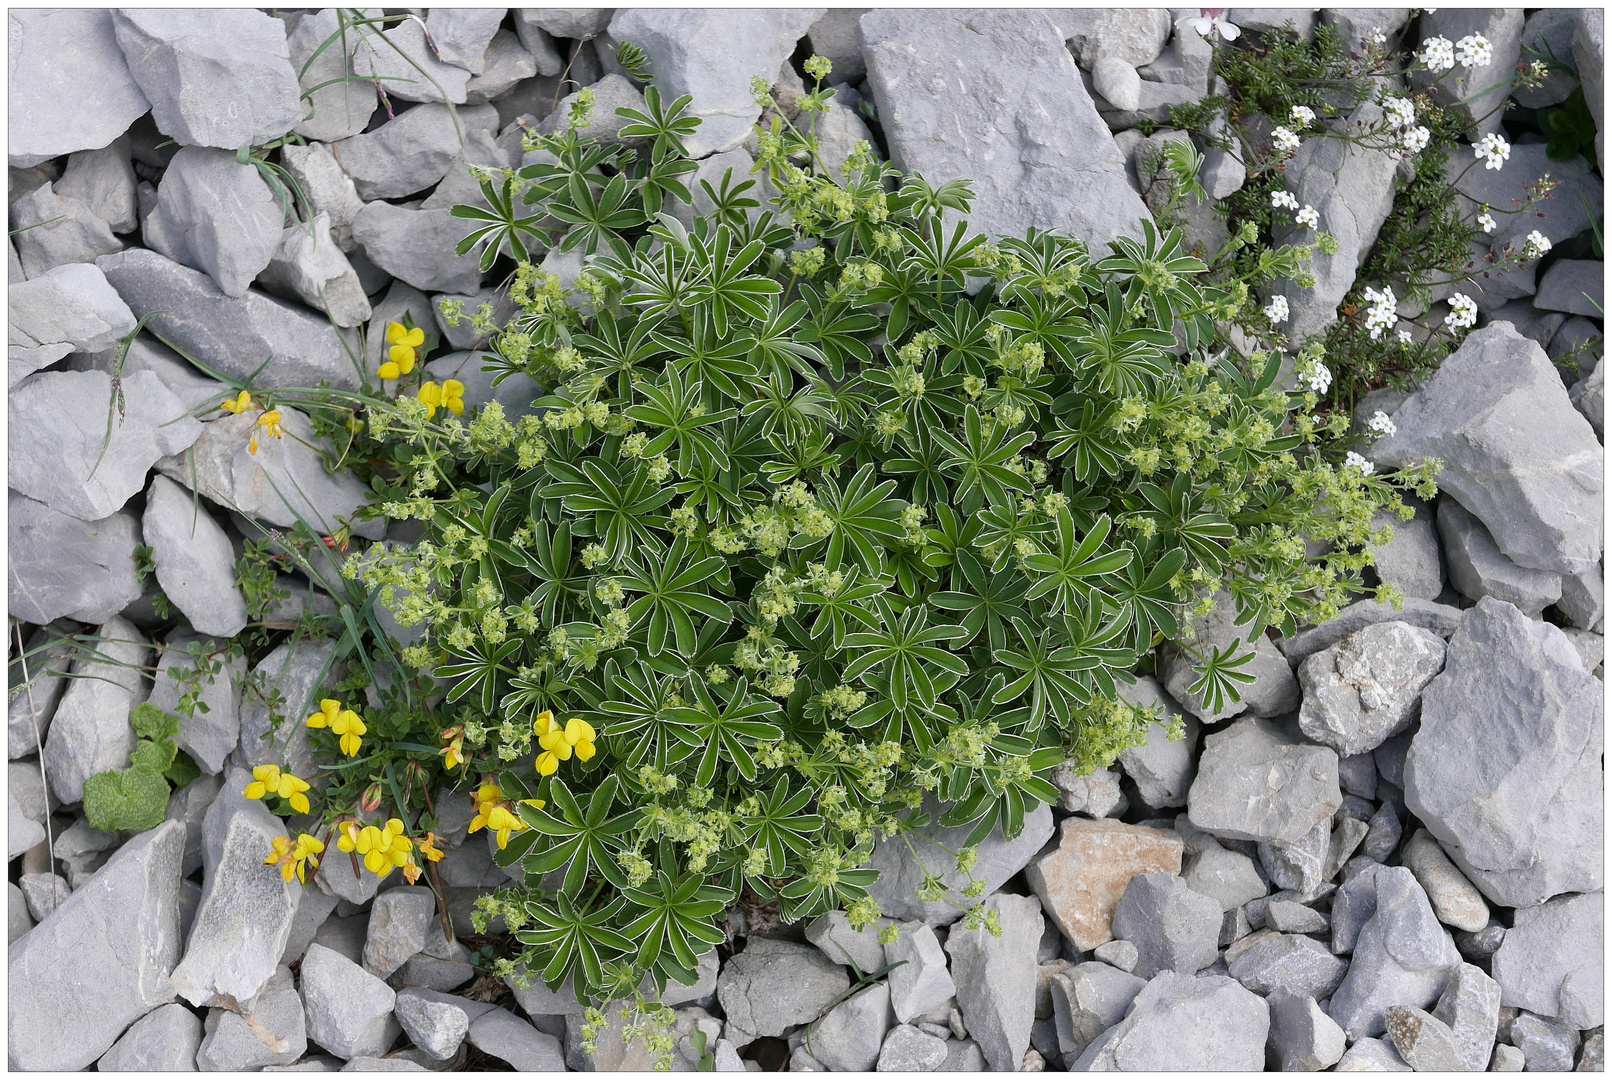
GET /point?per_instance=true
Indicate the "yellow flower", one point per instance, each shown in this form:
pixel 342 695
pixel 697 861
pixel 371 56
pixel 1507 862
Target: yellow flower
pixel 238 404
pixel 428 847
pixel 342 722
pixel 453 753
pixel 450 395
pixel 272 781
pixel 383 849
pixel 493 813
pixel 400 353
pixel 295 858
pixel 560 743
pixel 267 424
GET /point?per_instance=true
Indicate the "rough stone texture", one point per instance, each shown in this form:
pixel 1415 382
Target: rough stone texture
pixel 1274 690
pixel 62 566
pixel 215 77
pixel 412 152
pixel 403 63
pixel 310 266
pixel 1401 957
pixel 1368 686
pixel 232 335
pixel 1424 1042
pixel 900 873
pixel 1588 396
pixel 436 1023
pixel 1120 954
pixel 1548 32
pixel 1292 962
pixel 272 1032
pixel 849 1036
pixel 1255 782
pixel 209 736
pixel 1589 53
pixel 165 1040
pixel 1478 568
pixel 349 1010
pixel 1550 961
pixel 68 308
pixel 417 246
pixel 833 36
pixel 509 1038
pixel 102 958
pixel 195 561
pixel 1455 901
pixel 1471 93
pixel 1410 561
pixel 104 181
pixel 1182 1023
pixel 215 215
pixel 400 923
pixel 996 979
pixel 1172 927
pixel 1506 768
pixel 294 672
pixel 195 391
pixel 55 109
pixel 922 982
pixel 906 1049
pixel 994 95
pixel 506 64
pixel 326 186
pixel 1161 769
pixel 1372 1055
pixel 55 231
pixel 43 892
pixel 1592 1057
pixel 1095 794
pixel 1470 1008
pixel 1303 1036
pixel 1133 36
pixel 339 109
pixel 60 451
pixel 1352 189
pixel 244 920
pixel 1574 286
pixel 1214 870
pixel 1546 1046
pixel 1516 454
pixel 1082 880
pixel 90 731
pixel 832 933
pixel 713 54
pixel 1441 619
pixel 773 985
pixel 1088 1000
pixel 285 479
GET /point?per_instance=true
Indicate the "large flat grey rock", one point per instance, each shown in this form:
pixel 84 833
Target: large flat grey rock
pixel 57 107
pixel 90 732
pixel 1182 1023
pixel 60 565
pixel 215 215
pixel 1551 961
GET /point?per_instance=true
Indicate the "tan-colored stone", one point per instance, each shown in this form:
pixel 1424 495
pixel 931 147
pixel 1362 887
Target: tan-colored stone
pixel 1081 880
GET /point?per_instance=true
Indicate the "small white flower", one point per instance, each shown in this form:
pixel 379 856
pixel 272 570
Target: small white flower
pixel 1356 461
pixel 1284 198
pixel 1536 245
pixel 1318 378
pixel 1381 424
pixel 1377 37
pixel 1415 139
pixel 1276 310
pixel 1493 150
pixel 1284 140
pixel 1308 217
pixel 1211 22
pixel 1302 116
pixel 1437 53
pixel 1404 336
pixel 1473 51
pixel 1400 112
pixel 1382 313
pixel 1486 222
pixel 1463 312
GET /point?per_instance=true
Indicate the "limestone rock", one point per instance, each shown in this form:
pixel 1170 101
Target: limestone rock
pixel 412 152
pixel 1292 962
pixel 1082 880
pixel 294 672
pixel 773 985
pixel 996 979
pixel 1256 783
pixel 164 1040
pixel 349 1010
pixel 400 923
pixel 272 1032
pixel 195 561
pixel 1469 92
pixel 832 932
pixel 1478 568
pixel 62 566
pixel 1172 927
pixel 1470 1008
pixel 922 982
pixel 339 109
pixel 326 186
pixel 509 1038
pixel 1274 690
pixel 1181 1023
pixel 1401 957
pixel 1162 769
pixel 310 266
pixel 1441 619
pixel 1516 798
pixel 1454 900
pixel 401 60
pixel 90 732
pixel 207 736
pixel 1304 1037
pixel 1087 1001
pixel 70 308
pixel 906 1049
pixel 215 215
pixel 55 108
pixel 1368 687
pixel 1550 961
pixel 417 246
pixel 849 1036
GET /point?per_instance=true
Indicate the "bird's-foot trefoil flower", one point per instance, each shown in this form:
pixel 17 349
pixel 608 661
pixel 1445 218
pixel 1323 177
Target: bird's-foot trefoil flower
pixel 347 725
pixel 449 394
pixel 295 857
pixel 400 353
pixel 272 780
pixel 559 743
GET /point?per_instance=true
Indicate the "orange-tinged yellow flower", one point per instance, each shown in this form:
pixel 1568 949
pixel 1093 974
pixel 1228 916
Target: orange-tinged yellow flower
pixel 495 814
pixel 267 424
pixel 295 858
pixel 237 404
pixel 453 753
pixel 560 743
pixel 428 847
pixel 383 849
pixel 272 780
pixel 448 394
pixel 344 723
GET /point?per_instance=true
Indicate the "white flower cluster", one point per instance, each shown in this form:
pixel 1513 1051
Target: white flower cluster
pixel 1486 221
pixel 1437 53
pixel 1284 198
pixel 1400 112
pixel 1414 139
pixel 1463 312
pixel 1474 51
pixel 1318 377
pixel 1381 314
pixel 1276 310
pixel 1381 424
pixel 1302 116
pixel 1536 245
pixel 1404 336
pixel 1284 140
pixel 1493 150
pixel 1377 37
pixel 1308 217
pixel 1355 460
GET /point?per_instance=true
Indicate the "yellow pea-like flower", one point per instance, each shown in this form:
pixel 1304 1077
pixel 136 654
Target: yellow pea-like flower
pixel 560 743
pixel 398 334
pixel 238 404
pixel 344 723
pixel 272 780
